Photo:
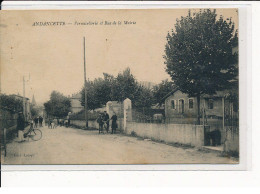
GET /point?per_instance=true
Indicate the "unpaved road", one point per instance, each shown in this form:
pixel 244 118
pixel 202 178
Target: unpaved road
pixel 74 146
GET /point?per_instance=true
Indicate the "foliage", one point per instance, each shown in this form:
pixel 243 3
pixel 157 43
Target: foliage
pixel 162 89
pixel 110 88
pixel 92 115
pixel 198 53
pixel 58 105
pixel 98 92
pixel 11 103
pixel 34 110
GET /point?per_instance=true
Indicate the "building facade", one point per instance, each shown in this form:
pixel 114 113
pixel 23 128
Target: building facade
pixel 76 103
pixel 182 109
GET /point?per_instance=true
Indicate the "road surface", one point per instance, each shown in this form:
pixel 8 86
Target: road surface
pixel 75 146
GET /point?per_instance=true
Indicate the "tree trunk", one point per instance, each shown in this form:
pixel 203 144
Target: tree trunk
pixel 198 109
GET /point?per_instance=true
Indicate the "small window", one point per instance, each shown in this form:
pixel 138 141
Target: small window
pixel 173 105
pixel 190 103
pixel 210 104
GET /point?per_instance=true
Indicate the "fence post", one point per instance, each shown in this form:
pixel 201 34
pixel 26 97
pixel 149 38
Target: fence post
pixel 127 112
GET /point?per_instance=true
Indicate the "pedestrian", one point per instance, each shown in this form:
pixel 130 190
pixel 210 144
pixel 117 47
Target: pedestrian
pixel 114 122
pixel 20 126
pixel 55 122
pixel 68 118
pixel 40 121
pixel 100 123
pixel 49 123
pixel 106 120
pixel 36 121
pixel 52 124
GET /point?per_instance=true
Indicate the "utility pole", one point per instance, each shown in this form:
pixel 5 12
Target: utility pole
pixel 85 85
pixel 24 112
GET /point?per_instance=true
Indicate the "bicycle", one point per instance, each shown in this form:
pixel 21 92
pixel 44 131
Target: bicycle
pixel 33 133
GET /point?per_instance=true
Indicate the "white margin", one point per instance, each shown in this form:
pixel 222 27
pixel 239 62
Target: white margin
pixel 245 39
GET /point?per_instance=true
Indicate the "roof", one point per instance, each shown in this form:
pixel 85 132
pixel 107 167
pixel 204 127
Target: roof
pixel 218 94
pixel 170 93
pixel 19 96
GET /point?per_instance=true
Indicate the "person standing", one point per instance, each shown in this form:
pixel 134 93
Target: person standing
pixel 106 120
pixel 36 121
pixel 20 126
pixel 100 123
pixel 40 121
pixel 114 123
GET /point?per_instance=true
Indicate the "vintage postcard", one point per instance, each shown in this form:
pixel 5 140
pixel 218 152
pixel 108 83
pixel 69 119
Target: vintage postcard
pixel 120 86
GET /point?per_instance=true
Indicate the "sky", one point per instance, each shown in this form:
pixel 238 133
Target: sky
pixel 51 57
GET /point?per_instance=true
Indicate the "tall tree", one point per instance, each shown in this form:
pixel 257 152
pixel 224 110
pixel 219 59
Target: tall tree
pixel 98 92
pixel 126 86
pixel 162 89
pixel 198 54
pixel 58 105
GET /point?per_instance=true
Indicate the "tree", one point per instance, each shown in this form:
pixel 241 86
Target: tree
pixel 126 86
pixel 118 88
pixel 58 105
pixel 162 89
pixel 198 54
pixel 99 92
pixel 11 103
pixel 34 110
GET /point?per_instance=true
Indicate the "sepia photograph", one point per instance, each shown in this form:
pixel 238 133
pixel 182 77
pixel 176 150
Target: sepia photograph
pixel 119 86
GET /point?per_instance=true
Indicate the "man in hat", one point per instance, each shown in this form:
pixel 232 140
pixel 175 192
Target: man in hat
pixel 20 126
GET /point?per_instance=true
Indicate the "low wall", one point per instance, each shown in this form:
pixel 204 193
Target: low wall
pixel 231 145
pixel 94 124
pixel 186 134
pixel 82 123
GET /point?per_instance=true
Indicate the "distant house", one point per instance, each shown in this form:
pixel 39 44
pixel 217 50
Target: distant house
pixel 146 84
pixel 76 103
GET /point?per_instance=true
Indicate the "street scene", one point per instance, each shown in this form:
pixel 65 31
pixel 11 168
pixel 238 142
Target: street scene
pixel 103 149
pixel 120 87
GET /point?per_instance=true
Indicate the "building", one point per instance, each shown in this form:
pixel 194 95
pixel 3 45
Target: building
pixel 180 108
pixel 27 110
pixel 76 103
pixel 33 101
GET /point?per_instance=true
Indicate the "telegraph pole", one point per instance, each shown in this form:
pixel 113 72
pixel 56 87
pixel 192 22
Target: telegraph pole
pixel 85 84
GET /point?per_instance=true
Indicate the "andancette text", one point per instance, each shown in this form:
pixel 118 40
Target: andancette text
pixel 83 23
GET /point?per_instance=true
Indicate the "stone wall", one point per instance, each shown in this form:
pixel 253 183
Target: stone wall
pixel 231 144
pixel 186 134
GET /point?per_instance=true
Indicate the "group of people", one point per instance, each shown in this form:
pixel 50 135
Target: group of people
pixel 38 121
pixel 53 123
pixel 103 121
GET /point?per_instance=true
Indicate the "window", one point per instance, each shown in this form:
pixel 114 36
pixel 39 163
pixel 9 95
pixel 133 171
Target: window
pixel 210 104
pixel 190 103
pixel 173 105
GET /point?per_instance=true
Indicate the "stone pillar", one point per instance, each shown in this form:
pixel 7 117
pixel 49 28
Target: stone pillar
pixel 127 111
pixel 109 108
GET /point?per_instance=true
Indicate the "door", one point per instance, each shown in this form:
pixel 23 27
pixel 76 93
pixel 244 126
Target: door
pixel 181 106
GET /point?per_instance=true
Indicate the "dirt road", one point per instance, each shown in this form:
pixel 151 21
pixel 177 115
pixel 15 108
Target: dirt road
pixel 74 146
